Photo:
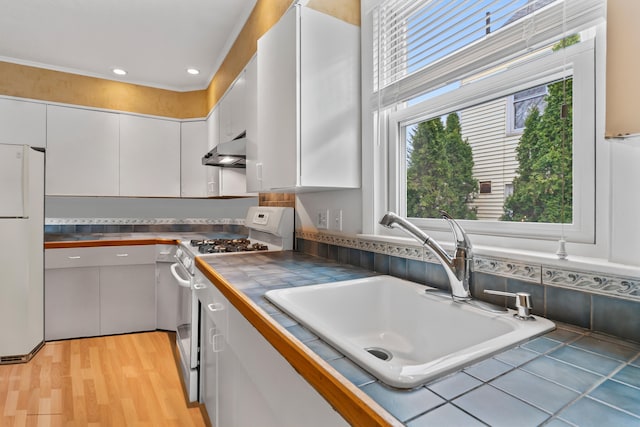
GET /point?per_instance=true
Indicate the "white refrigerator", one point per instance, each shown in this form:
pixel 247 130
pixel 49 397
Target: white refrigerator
pixel 22 260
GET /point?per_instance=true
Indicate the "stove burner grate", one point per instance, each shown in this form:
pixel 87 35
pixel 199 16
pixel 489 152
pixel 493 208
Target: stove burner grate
pixel 210 246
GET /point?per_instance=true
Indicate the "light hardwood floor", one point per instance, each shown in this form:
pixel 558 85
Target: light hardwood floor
pixel 120 380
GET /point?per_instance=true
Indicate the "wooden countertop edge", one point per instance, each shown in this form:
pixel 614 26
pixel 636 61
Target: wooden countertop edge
pixel 348 400
pixel 95 243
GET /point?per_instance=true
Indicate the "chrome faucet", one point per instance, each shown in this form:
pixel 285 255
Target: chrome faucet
pixel 458 267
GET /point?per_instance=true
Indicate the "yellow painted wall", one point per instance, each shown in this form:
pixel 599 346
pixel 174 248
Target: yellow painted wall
pixel 55 86
pixel 264 15
pixel 347 10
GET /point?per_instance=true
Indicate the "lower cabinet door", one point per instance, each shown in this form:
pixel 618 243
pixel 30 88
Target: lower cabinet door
pixel 71 303
pixel 209 366
pixel 127 299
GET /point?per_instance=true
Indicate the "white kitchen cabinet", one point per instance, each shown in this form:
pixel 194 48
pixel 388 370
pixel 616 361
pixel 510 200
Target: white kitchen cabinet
pixel 23 122
pixel 193 145
pixel 233 118
pixel 232 110
pixel 222 181
pixel 308 103
pixel 82 152
pixel 99 256
pixel 149 157
pixel 213 172
pixel 127 299
pixel 239 369
pixel 72 303
pixel 213 328
pixel 209 371
pixel 99 290
pixel 233 182
pixel 251 99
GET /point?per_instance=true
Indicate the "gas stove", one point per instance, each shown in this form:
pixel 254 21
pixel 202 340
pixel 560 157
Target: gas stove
pixel 270 229
pixel 216 246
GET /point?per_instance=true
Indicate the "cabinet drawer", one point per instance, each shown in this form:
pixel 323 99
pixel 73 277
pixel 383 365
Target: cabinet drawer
pixel 166 253
pixel 214 304
pixel 99 256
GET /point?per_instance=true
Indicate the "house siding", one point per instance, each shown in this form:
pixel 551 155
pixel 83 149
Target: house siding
pixel 494 155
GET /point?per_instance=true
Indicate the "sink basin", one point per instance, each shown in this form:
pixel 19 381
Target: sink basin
pixel 399 333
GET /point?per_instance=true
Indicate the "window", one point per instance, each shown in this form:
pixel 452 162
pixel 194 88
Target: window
pixel 508 190
pixel 456 84
pixel 520 104
pixel 450 157
pixel 485 187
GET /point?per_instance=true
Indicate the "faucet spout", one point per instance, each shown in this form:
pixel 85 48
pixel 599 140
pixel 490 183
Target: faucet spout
pixel 458 267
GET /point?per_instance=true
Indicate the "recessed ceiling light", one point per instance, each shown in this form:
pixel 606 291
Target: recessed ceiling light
pixel 119 71
pixel 193 71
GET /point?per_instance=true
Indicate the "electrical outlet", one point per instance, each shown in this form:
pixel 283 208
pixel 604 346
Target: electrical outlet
pixel 322 219
pixel 337 220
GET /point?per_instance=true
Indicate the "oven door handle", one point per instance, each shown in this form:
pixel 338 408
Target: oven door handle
pixel 182 282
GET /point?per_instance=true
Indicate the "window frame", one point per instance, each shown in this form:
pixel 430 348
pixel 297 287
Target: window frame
pixel 577 59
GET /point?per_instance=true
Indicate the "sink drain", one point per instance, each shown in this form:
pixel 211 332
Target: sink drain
pixel 380 353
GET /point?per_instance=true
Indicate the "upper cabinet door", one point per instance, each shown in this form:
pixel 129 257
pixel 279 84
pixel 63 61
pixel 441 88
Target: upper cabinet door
pixel 213 139
pixel 149 153
pixel 251 99
pixel 23 123
pixel 193 146
pixel 82 152
pixel 232 110
pixel 308 103
pixel 278 104
pixel 329 102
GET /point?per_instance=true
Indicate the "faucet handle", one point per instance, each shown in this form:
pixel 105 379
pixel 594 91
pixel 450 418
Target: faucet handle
pixel 523 302
pixel 461 239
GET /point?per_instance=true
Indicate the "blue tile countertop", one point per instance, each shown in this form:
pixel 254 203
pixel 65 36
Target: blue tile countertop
pixel 568 377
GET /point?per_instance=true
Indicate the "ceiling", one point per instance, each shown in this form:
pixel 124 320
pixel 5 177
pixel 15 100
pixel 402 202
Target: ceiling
pixel 155 41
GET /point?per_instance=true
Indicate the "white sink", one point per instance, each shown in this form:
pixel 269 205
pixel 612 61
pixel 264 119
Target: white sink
pixel 425 335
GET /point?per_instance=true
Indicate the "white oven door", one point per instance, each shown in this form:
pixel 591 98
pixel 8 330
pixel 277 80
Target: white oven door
pixel 185 313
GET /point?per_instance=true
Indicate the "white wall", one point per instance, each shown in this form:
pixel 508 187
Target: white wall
pixel 625 201
pixel 131 207
pixel 349 201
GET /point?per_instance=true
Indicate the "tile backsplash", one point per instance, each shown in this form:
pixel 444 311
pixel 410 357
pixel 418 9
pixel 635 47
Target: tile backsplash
pixel 600 302
pixel 64 226
pixel 286 200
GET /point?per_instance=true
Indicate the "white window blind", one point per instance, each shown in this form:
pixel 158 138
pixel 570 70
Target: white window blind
pixel 421 45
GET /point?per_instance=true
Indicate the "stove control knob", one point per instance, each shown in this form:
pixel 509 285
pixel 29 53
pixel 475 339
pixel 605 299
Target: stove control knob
pixel 188 262
pixel 178 253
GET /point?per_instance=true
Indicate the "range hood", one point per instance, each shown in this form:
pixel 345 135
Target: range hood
pixel 231 154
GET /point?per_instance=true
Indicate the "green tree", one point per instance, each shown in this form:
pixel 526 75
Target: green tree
pixel 461 181
pixel 439 171
pixel 543 186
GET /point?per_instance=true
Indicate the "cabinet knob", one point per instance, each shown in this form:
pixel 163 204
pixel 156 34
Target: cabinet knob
pixel 216 306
